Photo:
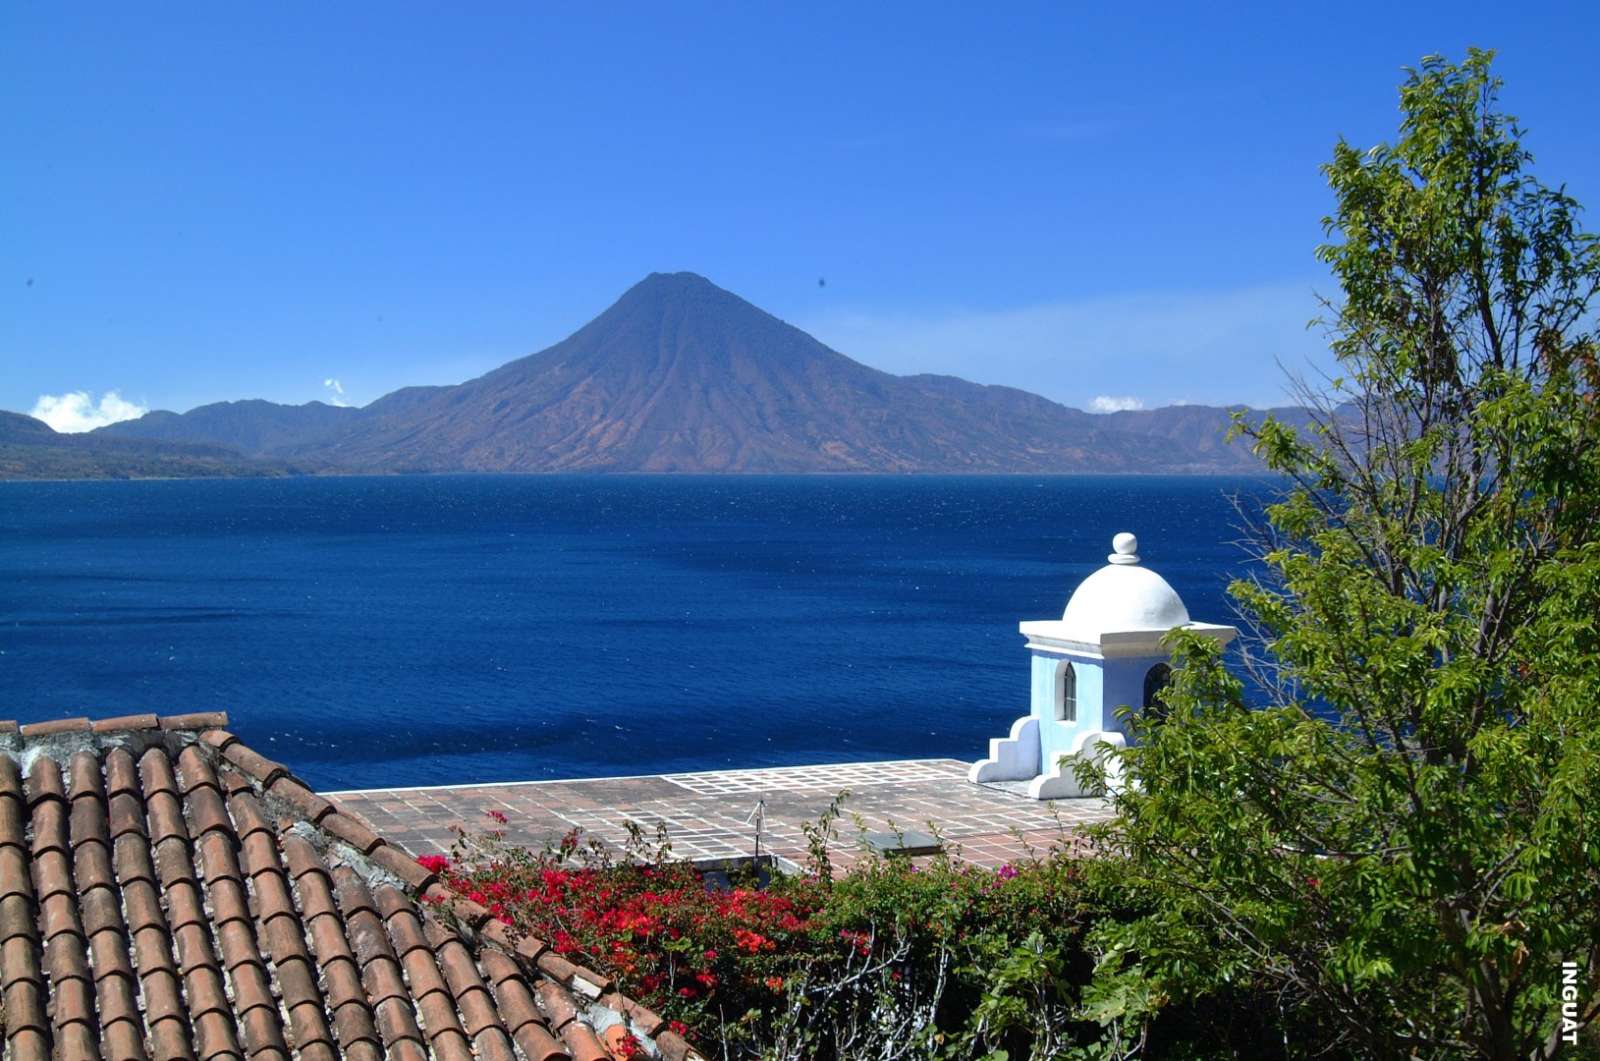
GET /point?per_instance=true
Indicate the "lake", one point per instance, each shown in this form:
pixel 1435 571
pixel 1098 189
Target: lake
pixel 431 630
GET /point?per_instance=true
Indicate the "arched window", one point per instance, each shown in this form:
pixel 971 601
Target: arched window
pixel 1155 680
pixel 1067 693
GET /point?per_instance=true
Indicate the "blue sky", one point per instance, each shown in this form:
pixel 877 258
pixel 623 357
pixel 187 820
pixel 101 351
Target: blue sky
pixel 203 202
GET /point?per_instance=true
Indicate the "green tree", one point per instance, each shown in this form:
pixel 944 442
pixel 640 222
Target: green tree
pixel 1403 847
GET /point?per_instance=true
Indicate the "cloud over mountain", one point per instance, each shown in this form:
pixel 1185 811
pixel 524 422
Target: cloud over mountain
pixel 76 411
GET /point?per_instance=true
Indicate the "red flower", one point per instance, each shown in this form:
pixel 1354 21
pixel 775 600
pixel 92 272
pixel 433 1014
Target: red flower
pixel 496 816
pixel 433 863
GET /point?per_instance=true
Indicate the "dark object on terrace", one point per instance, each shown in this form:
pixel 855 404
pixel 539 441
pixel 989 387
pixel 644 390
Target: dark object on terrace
pixel 904 844
pixel 166 892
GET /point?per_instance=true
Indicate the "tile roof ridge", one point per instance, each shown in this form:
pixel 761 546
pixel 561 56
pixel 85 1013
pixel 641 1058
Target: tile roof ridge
pixel 194 720
pixel 436 902
pixel 201 763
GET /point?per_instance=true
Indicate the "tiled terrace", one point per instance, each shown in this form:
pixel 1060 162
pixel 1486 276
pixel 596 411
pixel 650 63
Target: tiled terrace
pixel 711 815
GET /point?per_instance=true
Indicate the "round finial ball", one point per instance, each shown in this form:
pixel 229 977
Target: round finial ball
pixel 1125 544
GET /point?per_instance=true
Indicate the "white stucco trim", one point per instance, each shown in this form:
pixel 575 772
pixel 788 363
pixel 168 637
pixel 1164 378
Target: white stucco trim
pixel 1060 779
pixel 1013 758
pixel 1056 636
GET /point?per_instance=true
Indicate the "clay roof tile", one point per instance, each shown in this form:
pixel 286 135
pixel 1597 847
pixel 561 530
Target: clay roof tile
pixel 49 827
pixel 169 1040
pixel 58 914
pixel 248 818
pixel 24 1006
pixel 141 901
pixel 557 1004
pixel 70 984
pixel 470 913
pixel 201 720
pixel 306 802
pixel 497 932
pixel 301 856
pixel 519 1010
pixel 257 766
pixel 194 949
pixel 44 781
pixel 16 918
pixel 92 869
pixel 155 773
pixel 164 910
pixel 675 1047
pixel 492 1044
pixel 122 1039
pixel 121 772
pixel 13 829
pixel 51 874
pixel 583 1044
pixel 14 876
pixel 101 910
pixel 116 1001
pixel 406 932
pixel 215 1034
pixel 313 1038
pixel 275 906
pixel 403 866
pixel 640 1015
pixel 54 727
pixel 78 1039
pixel 217 738
pixel 126 815
pixel 184 905
pixel 125 722
pixel 84 770
pixel 398 1026
pixel 194 770
pixel 10 777
pixel 352 832
pixel 354 1027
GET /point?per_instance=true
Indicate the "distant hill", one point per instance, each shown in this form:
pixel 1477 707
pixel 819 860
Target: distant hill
pixel 30 449
pixel 681 376
pixel 252 426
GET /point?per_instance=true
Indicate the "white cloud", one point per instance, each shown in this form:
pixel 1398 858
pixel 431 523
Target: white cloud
pixel 336 397
pixel 1105 403
pixel 1211 347
pixel 76 411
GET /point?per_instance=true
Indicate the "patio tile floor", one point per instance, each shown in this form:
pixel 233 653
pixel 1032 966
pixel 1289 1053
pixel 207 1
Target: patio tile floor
pixel 709 815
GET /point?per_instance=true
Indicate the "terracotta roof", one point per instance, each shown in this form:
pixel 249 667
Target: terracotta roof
pixel 167 892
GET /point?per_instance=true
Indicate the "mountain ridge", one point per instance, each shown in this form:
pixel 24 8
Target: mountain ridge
pixel 31 449
pixel 680 375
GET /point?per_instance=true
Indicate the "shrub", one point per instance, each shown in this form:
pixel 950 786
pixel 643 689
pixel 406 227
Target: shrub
pixel 891 959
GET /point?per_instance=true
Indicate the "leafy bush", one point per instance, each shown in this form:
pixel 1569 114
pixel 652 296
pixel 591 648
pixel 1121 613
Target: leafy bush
pixel 891 959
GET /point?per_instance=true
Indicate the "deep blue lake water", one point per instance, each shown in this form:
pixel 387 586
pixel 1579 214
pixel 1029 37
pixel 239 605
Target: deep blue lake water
pixel 429 630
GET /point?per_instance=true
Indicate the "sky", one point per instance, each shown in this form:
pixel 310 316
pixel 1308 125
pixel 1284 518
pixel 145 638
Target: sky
pixel 1113 208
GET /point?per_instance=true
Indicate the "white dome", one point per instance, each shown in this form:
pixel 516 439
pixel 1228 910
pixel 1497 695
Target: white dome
pixel 1123 597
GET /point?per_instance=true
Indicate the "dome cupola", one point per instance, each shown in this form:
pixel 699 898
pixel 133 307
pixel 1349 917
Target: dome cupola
pixel 1122 609
pixel 1106 660
pixel 1124 597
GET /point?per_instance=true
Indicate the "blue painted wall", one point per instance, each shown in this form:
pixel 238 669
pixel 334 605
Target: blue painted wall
pixel 1056 737
pixel 1103 687
pixel 1125 687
